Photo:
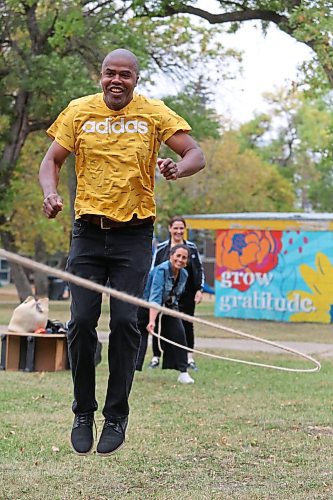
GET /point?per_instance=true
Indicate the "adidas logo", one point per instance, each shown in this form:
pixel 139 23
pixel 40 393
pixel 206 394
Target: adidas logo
pixel 117 127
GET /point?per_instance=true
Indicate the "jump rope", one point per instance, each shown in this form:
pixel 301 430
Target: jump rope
pixel 65 276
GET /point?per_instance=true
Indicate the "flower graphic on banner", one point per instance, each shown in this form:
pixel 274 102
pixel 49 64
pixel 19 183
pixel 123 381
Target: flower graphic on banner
pixel 247 251
pixel 319 281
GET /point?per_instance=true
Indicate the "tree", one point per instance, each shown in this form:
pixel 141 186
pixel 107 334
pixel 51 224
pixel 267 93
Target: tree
pixel 237 181
pixel 43 237
pixel 193 104
pixel 296 137
pixel 307 21
pixel 50 53
pixel 39 73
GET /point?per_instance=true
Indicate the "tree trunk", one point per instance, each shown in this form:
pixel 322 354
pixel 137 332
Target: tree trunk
pixel 18 275
pixel 40 278
pixel 71 182
pixel 18 134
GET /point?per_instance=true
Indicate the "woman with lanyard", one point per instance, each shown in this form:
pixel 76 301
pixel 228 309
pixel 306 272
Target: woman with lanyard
pixel 194 286
pixel 165 284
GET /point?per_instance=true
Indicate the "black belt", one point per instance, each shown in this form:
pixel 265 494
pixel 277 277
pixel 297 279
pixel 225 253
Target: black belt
pixel 106 223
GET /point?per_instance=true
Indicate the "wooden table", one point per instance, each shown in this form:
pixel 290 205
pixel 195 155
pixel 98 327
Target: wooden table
pixel 34 351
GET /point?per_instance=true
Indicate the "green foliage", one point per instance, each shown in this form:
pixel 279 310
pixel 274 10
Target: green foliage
pixel 60 79
pixel 171 198
pixel 321 187
pixel 70 24
pixel 242 173
pixel 253 184
pixel 22 206
pixel 296 137
pixel 236 180
pixel 51 52
pixel 191 104
pixel 308 21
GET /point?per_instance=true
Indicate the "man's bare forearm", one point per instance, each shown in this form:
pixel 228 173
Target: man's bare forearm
pixel 191 163
pixel 49 175
pixel 192 157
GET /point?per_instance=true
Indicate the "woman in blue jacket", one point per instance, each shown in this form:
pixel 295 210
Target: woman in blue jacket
pixel 194 286
pixel 165 284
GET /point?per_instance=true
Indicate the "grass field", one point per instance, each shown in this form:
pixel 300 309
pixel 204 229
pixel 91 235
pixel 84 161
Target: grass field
pixel 238 433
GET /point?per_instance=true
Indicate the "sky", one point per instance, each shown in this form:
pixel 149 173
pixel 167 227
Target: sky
pixel 269 62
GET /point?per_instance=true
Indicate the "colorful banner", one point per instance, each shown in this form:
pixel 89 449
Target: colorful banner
pixel 274 275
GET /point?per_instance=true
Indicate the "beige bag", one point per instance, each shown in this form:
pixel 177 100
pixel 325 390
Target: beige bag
pixel 30 315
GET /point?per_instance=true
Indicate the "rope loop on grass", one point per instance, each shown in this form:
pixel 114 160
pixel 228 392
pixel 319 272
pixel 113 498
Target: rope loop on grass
pixel 65 276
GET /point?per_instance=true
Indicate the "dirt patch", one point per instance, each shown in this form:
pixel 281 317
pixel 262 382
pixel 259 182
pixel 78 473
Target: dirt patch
pixel 8 293
pixel 317 430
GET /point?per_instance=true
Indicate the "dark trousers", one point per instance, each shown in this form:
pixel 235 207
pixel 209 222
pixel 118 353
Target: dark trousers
pixel 174 357
pixel 187 306
pixel 121 256
pixel 143 320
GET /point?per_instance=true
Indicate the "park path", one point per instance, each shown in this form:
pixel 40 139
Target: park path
pixel 201 343
pixel 234 344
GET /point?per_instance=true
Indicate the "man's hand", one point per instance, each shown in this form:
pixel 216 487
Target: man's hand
pixel 52 205
pixel 168 169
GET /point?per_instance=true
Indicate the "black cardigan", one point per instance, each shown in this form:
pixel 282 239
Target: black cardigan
pixel 196 277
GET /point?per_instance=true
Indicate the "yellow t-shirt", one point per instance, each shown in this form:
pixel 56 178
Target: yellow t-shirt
pixel 116 153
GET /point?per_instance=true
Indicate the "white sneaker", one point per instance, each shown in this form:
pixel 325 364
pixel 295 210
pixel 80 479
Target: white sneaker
pixel 154 362
pixel 184 378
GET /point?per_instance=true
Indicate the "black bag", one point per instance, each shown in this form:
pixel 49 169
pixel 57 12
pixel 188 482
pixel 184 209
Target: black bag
pixel 55 326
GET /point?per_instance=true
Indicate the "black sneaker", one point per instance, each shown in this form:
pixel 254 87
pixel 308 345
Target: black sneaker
pixel 192 366
pixel 112 437
pixel 82 439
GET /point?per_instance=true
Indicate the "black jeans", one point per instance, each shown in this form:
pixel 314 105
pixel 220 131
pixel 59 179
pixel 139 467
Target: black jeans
pixel 143 320
pixel 187 306
pixel 121 256
pixel 174 358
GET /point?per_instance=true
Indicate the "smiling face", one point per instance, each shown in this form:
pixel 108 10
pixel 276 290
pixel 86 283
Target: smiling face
pixel 119 77
pixel 177 229
pixel 179 259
